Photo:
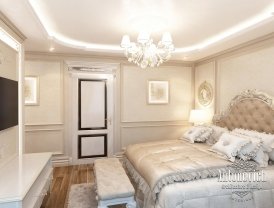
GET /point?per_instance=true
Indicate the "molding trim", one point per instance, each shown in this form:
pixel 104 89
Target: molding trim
pixel 12 27
pixel 36 130
pixel 44 124
pixel 145 124
pixel 150 125
pixel 34 55
pixel 234 50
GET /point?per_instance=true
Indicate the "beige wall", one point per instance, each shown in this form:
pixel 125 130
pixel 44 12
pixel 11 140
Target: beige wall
pixel 142 122
pixel 250 67
pixel 205 72
pixel 135 120
pixel 9 140
pixel 44 122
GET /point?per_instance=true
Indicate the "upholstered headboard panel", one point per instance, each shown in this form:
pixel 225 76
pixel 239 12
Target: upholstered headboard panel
pixel 252 109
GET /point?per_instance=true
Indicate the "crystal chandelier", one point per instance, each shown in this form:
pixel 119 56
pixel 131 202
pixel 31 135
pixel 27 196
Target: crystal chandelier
pixel 145 53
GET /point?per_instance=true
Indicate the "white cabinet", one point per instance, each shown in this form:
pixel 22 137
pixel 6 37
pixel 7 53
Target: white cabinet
pixel 25 181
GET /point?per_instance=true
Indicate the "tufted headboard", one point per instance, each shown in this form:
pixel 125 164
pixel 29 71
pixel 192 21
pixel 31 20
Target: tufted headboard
pixel 252 109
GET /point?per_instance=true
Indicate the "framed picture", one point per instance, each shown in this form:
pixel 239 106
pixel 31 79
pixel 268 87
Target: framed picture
pixel 158 92
pixel 31 90
pixel 205 94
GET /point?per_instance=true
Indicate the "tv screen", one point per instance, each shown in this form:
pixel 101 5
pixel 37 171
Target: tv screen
pixel 8 103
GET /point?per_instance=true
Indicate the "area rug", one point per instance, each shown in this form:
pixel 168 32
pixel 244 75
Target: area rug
pixel 82 196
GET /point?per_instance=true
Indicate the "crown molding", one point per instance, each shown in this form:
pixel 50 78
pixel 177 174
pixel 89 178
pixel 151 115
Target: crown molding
pixel 236 49
pixel 34 55
pixel 19 35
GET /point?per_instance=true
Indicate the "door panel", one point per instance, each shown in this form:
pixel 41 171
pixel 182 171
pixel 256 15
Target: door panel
pixel 92 113
pixel 90 146
pixel 92 104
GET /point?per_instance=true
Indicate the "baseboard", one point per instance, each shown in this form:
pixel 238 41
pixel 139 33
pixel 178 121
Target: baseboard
pixel 61 160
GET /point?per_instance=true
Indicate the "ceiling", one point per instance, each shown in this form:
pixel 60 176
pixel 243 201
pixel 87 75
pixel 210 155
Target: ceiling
pixel 198 28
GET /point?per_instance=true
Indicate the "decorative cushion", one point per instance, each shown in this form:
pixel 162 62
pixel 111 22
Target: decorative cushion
pixel 229 145
pixel 198 134
pixel 250 150
pixel 268 139
pixel 261 158
pixel 216 134
pixel 271 155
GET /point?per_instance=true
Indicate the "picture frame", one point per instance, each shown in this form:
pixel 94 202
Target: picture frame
pixel 158 92
pixel 205 94
pixel 31 90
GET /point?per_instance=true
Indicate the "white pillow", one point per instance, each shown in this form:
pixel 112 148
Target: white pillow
pixel 216 134
pixel 229 145
pixel 261 158
pixel 250 150
pixel 268 139
pixel 198 133
pixel 271 155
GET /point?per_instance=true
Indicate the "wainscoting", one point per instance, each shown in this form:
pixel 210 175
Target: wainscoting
pixel 44 138
pixel 136 132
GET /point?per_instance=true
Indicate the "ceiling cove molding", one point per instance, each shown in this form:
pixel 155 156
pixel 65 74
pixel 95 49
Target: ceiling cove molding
pixel 33 55
pixel 20 37
pixel 73 43
pixel 236 49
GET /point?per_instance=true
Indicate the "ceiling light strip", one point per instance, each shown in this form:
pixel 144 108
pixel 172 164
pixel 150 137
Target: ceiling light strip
pixel 9 40
pixel 115 48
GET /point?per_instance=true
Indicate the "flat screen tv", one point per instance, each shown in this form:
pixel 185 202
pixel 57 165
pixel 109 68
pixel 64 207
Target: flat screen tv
pixel 8 103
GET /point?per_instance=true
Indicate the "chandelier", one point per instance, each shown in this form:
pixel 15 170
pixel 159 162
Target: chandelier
pixel 145 53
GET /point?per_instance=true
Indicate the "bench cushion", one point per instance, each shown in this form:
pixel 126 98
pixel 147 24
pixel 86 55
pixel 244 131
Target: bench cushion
pixel 111 179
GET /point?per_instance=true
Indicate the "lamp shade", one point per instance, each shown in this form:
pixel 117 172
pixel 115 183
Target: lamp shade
pixel 198 116
pixel 125 41
pixel 166 39
pixel 143 37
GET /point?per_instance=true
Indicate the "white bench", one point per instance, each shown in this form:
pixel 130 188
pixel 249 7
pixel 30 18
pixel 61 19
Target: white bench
pixel 113 185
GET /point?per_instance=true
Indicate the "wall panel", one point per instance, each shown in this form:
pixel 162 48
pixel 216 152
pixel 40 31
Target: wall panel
pixel 44 122
pixel 134 94
pixel 146 132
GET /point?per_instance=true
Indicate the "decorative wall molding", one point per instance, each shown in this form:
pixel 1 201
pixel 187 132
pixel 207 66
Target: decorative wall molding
pixel 107 58
pixel 141 124
pixel 20 36
pixel 44 124
pixel 35 130
pixel 236 49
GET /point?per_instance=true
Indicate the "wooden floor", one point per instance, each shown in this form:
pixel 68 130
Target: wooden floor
pixel 63 178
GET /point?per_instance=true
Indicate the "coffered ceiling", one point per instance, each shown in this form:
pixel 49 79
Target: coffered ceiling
pixel 198 28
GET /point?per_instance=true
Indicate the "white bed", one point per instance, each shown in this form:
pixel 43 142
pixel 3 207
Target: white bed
pixel 251 110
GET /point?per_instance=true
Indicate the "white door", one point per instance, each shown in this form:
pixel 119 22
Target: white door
pixel 93 129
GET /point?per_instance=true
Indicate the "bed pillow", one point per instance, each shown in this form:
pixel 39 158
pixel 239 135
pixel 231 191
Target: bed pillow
pixel 261 158
pixel 271 155
pixel 229 145
pixel 268 139
pixel 216 134
pixel 250 150
pixel 198 134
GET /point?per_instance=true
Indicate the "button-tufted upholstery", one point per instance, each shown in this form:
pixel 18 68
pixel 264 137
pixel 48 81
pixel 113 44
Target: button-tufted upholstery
pixel 253 114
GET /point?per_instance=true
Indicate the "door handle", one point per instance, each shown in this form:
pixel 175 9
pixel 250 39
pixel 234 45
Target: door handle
pixel 109 121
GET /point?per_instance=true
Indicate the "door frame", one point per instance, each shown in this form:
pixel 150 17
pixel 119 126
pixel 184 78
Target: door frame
pixel 73 122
